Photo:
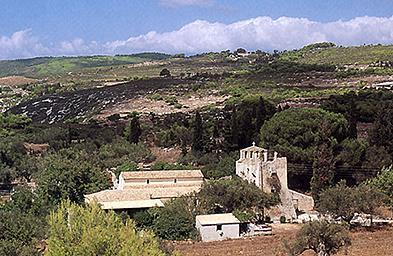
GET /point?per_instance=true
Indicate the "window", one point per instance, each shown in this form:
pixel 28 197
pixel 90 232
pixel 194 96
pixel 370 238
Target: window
pixel 175 181
pixel 147 181
pixel 219 227
pixel 251 154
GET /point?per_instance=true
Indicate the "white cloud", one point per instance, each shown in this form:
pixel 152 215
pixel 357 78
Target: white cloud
pixel 177 3
pixel 21 44
pixel 262 33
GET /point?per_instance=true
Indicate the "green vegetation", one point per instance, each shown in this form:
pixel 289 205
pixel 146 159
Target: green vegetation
pixel 343 202
pixel 296 133
pixel 69 175
pixel 383 127
pixel 78 230
pixel 384 183
pixel 347 134
pixel 44 66
pixel 160 166
pixel 129 166
pixel 134 131
pixel 176 221
pixel 340 55
pixel 223 196
pixel 322 237
pixel 223 167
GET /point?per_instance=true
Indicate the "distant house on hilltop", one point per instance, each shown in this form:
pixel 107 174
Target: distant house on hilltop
pixel 146 189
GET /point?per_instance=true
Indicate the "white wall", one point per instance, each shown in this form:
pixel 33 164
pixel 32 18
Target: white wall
pixel 210 232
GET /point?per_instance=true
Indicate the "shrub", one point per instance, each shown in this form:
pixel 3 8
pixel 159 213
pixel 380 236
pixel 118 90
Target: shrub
pixel 158 166
pixel 322 237
pixel 129 166
pixel 78 230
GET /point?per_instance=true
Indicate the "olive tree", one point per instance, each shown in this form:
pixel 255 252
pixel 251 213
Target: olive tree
pixel 322 237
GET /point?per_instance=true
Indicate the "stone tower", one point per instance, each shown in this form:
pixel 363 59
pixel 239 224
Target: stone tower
pixel 269 172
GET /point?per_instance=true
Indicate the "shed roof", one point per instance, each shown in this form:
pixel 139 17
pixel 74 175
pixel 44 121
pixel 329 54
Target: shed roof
pixel 214 219
pixel 162 174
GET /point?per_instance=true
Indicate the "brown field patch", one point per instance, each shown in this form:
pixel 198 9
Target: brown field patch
pixel 364 243
pixel 16 80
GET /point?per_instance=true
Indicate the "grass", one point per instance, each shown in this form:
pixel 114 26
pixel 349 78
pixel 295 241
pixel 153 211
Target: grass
pixel 342 55
pixel 45 66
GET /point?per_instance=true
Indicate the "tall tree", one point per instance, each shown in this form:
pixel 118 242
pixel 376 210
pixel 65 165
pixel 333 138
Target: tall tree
pixel 324 162
pixel 261 114
pixel 69 174
pixel 351 117
pixel 19 232
pixel 135 131
pixel 382 132
pixel 296 133
pixel 197 138
pixel 246 128
pixel 234 131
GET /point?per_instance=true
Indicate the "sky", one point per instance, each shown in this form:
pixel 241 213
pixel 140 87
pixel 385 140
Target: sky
pixel 84 27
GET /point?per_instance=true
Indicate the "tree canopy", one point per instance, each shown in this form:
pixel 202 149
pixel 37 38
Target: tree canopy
pixel 69 175
pixel 343 201
pixel 222 196
pixel 322 237
pixel 78 230
pixel 384 183
pixel 296 133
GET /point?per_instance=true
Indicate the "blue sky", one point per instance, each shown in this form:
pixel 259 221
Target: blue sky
pixel 73 27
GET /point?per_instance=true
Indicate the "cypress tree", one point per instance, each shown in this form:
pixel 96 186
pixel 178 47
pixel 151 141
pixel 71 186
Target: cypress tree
pixel 246 129
pixel 135 130
pixel 260 114
pixel 382 132
pixel 324 163
pixel 234 131
pixel 351 117
pixel 197 138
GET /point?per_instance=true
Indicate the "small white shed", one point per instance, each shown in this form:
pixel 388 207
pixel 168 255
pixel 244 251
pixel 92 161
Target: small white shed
pixel 215 227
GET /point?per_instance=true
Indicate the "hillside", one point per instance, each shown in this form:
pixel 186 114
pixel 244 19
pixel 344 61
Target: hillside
pixel 45 66
pixel 338 55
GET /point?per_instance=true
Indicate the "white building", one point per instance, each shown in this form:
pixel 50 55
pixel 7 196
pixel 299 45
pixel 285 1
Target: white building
pixel 269 172
pixel 146 189
pixel 216 227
